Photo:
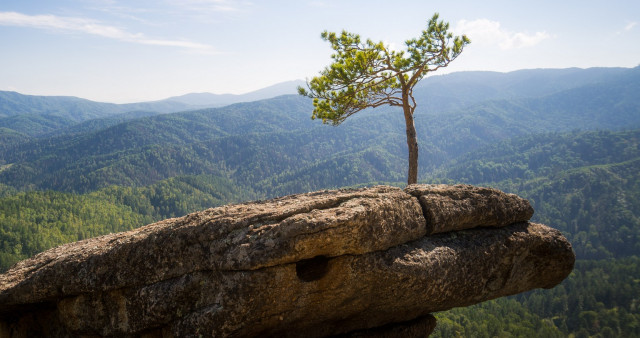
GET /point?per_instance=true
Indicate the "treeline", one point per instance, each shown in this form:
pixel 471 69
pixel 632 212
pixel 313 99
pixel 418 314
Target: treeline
pixel 587 192
pixel 586 184
pixel 34 221
pixel 263 162
pixel 601 298
pixel 275 141
pixel 597 207
pixel 31 222
pixel 110 177
pixel 542 155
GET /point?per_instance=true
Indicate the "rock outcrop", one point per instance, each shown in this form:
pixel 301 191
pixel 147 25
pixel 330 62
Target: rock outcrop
pixel 374 261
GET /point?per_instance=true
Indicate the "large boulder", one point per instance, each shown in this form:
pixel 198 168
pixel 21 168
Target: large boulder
pixel 352 262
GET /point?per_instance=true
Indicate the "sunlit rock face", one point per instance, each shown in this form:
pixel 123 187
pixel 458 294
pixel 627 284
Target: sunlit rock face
pixel 365 262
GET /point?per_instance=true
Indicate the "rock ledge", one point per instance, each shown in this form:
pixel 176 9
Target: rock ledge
pixel 365 262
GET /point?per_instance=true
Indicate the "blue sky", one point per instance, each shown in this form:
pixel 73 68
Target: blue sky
pixel 129 51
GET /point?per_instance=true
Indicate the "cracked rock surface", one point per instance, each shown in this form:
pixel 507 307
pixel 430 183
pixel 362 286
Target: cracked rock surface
pixel 367 262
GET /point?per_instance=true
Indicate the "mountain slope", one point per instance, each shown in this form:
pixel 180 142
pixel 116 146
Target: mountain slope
pixel 77 109
pixel 268 140
pixel 38 115
pixel 33 221
pixel 442 93
pixel 531 156
pixel 42 116
pixel 586 184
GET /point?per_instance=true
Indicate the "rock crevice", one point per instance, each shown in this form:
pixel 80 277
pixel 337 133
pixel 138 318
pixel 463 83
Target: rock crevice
pixel 318 264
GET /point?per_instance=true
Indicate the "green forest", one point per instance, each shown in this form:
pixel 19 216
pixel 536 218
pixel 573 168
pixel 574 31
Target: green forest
pixel 567 140
pixel 586 184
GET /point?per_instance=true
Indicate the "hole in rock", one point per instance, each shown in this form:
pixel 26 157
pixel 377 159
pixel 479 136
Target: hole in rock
pixel 309 270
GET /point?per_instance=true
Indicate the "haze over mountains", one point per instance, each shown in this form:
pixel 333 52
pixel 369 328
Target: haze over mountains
pixel 567 139
pixel 457 113
pixel 215 100
pixel 37 115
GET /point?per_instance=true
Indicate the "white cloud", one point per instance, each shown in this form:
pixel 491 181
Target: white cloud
pixel 86 26
pixel 206 5
pixel 630 26
pixel 175 43
pixel 319 4
pixel 484 31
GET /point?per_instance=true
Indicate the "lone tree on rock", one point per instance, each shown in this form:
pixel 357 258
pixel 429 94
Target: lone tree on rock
pixel 368 75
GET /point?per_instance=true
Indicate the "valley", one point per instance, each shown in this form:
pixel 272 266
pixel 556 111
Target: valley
pixel 566 139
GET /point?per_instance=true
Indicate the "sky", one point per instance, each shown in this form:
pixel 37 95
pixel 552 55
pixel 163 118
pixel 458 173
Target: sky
pixel 142 50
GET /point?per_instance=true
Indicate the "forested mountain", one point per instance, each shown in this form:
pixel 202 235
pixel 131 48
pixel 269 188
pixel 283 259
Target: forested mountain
pixel 589 193
pixel 586 184
pixel 442 93
pixel 271 140
pixel 568 140
pixel 33 221
pixel 40 116
pixel 546 154
pixel 13 104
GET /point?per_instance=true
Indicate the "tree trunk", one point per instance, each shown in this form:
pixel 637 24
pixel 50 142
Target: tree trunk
pixel 412 143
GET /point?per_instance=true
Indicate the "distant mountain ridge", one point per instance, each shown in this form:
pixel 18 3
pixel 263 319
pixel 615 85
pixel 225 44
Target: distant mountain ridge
pixel 216 100
pixel 274 143
pixel 440 93
pixel 74 108
pixel 41 116
pixel 38 116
